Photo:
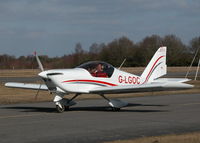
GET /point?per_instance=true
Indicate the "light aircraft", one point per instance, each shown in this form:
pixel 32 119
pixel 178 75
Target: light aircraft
pixel 97 77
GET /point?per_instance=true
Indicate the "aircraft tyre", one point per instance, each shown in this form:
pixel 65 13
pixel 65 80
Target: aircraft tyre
pixel 60 110
pixel 116 109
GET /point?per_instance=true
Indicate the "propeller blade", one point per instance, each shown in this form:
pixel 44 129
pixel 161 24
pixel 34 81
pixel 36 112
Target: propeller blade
pixel 39 63
pixel 36 96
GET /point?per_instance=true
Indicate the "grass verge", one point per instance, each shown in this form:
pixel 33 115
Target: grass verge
pixel 182 138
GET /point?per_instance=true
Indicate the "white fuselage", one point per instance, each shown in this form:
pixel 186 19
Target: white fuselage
pixel 79 80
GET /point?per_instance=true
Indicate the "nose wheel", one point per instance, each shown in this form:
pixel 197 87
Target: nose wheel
pixel 63 104
pixel 60 109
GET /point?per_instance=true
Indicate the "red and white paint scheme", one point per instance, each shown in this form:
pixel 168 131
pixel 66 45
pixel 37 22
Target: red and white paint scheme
pixel 97 77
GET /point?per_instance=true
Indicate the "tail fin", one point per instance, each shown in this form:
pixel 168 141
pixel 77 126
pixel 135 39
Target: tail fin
pixel 157 66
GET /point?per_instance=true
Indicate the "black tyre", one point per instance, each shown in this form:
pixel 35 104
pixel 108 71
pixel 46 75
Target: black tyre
pixel 115 109
pixel 60 110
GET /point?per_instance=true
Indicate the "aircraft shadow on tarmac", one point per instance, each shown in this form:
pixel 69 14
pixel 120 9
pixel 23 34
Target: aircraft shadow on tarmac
pixel 90 108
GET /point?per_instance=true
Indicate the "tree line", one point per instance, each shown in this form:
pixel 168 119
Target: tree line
pixel 114 52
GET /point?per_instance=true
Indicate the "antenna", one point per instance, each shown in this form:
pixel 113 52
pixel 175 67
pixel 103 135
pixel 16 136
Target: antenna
pixel 122 64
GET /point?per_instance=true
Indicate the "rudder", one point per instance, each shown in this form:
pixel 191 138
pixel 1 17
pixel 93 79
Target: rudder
pixel 157 66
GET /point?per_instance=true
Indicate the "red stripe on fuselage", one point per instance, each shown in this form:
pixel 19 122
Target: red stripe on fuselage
pixel 152 68
pixel 95 81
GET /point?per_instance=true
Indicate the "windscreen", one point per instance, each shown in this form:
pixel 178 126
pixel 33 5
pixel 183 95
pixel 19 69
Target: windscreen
pixel 98 69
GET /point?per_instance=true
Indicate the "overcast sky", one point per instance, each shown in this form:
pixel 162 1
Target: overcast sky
pixel 53 27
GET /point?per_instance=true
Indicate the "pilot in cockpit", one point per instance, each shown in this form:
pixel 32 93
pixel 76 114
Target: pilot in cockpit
pixel 98 71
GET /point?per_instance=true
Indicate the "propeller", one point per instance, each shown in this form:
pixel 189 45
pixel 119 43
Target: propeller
pixel 36 96
pixel 42 69
pixel 38 61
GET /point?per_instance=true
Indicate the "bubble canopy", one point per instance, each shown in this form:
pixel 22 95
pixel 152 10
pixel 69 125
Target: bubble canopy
pixel 98 68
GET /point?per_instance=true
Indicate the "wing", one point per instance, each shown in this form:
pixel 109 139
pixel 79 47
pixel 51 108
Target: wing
pixel 156 86
pixel 26 85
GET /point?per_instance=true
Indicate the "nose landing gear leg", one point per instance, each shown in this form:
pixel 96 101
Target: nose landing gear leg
pixel 63 104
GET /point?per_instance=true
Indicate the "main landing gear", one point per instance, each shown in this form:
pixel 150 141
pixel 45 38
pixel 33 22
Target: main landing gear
pixel 115 104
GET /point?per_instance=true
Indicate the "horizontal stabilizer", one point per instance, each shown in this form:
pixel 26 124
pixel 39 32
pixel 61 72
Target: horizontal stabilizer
pixel 172 80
